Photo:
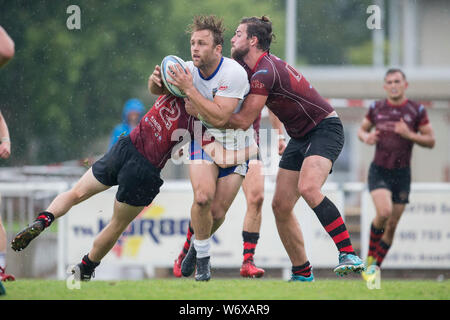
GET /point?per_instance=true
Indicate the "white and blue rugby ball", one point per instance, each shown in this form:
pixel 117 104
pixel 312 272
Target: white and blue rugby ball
pixel 165 74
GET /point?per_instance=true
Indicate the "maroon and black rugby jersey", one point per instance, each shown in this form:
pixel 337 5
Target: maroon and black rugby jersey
pixel 392 150
pixel 152 137
pixel 289 95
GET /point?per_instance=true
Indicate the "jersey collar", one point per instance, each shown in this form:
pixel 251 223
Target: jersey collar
pixel 397 105
pixel 259 59
pixel 213 74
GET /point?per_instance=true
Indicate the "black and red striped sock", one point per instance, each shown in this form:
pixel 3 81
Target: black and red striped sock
pixel 46 218
pixel 375 236
pixel 250 241
pixel 189 234
pixel 381 251
pixel 332 221
pixel 303 270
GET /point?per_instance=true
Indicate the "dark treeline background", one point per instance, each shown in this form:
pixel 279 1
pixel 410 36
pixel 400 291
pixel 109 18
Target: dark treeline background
pixel 64 90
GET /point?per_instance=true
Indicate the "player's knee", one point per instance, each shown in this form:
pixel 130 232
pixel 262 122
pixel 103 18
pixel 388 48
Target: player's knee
pixel 256 200
pixel 384 214
pixel 280 207
pixel 203 198
pixel 309 191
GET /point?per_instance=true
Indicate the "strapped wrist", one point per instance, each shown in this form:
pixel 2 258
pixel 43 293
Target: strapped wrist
pixel 5 139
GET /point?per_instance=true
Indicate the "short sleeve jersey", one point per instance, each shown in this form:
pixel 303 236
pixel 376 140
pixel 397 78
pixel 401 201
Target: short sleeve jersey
pixel 393 151
pixel 153 136
pixel 228 80
pixel 289 95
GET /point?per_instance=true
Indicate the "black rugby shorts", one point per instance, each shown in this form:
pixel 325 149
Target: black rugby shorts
pixel 398 181
pixel 326 140
pixel 139 181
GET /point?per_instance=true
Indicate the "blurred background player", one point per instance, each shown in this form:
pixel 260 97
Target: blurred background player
pixel 253 187
pixel 399 124
pixel 6 54
pixel 131 115
pixel 317 138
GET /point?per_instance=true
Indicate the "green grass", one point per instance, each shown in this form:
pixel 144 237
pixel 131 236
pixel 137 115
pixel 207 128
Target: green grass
pixel 232 289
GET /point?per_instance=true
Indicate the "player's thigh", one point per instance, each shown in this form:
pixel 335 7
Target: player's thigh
pixel 203 175
pixel 382 200
pixel 286 191
pixel 313 174
pixel 226 191
pixel 253 184
pixel 124 213
pixel 88 185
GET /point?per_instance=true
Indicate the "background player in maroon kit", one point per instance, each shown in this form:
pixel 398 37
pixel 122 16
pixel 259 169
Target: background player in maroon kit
pixel 399 123
pixel 317 139
pixel 134 163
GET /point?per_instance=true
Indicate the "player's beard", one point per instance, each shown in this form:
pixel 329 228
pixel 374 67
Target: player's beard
pixel 239 54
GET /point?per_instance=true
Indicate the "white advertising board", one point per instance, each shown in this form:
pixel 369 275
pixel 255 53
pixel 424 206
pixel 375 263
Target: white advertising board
pixel 156 236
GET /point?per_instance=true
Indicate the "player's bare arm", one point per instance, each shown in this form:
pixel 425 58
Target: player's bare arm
pixel 365 134
pixel 155 83
pixel 278 125
pixel 424 138
pixel 6 47
pixel 5 146
pixel 216 112
pixel 225 158
pixel 251 108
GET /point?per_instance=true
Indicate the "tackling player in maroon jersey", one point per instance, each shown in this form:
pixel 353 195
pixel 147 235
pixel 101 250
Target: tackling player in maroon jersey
pixel 134 164
pixel 317 138
pixel 399 123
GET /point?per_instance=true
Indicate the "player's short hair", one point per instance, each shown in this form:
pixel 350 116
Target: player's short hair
pixel 261 28
pixel 211 23
pixel 395 70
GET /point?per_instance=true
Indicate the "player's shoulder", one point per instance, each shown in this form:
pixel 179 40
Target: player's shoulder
pixel 231 65
pixel 233 69
pixel 416 105
pixel 377 104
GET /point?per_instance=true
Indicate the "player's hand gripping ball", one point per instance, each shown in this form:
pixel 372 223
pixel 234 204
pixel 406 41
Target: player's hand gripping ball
pixel 166 74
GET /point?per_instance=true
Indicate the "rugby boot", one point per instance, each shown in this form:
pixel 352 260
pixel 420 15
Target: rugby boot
pixel 189 261
pixel 4 276
pixel 249 270
pixel 24 237
pixel 347 263
pixel 203 272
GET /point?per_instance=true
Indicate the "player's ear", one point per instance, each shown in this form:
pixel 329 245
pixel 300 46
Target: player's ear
pixel 254 41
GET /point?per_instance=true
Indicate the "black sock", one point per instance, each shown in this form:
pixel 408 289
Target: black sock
pixel 88 264
pixel 303 270
pixel 46 218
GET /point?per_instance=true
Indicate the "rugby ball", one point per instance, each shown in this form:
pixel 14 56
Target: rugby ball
pixel 166 74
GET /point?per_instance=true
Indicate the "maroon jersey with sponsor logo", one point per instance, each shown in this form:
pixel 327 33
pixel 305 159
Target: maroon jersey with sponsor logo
pixel 289 95
pixel 152 137
pixel 393 151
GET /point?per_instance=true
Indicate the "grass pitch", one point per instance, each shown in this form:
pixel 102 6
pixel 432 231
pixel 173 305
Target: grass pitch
pixel 230 289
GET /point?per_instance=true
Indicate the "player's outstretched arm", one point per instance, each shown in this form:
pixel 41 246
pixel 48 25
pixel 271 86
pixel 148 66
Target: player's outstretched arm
pixel 5 146
pixel 6 47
